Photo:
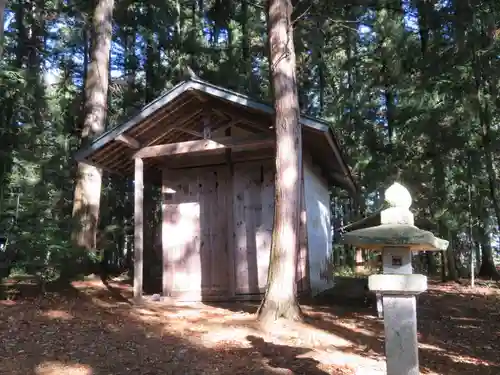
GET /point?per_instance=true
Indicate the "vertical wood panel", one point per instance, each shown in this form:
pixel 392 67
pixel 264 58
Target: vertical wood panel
pixel 318 206
pixel 231 234
pixel 302 264
pixel 230 252
pixel 169 210
pixel 240 232
pixel 265 230
pixel 182 232
pixel 138 227
pixel 168 266
pixel 203 268
pixel 219 254
pixel 191 209
pixel 253 209
pixel 200 186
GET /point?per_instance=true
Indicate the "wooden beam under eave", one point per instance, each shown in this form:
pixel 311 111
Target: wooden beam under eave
pixel 202 160
pixel 170 149
pixel 138 227
pixel 129 141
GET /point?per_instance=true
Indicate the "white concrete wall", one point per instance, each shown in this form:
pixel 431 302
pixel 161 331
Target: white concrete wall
pixel 319 234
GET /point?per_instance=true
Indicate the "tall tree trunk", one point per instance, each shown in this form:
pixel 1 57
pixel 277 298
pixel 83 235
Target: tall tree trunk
pixel 391 25
pixel 151 59
pixel 36 33
pixel 480 64
pixel 484 115
pixel 488 74
pixel 450 255
pixel 488 269
pixel 321 65
pixel 280 300
pixel 9 139
pixel 245 46
pixel 88 181
pixel 433 125
pixel 2 12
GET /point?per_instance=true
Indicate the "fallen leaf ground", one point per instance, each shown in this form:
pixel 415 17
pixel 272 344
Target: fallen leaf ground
pixel 90 329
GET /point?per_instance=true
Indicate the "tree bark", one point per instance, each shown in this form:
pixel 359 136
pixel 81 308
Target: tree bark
pixel 444 266
pixel 390 28
pixel 280 300
pixel 431 264
pixel 487 269
pixel 88 180
pixel 245 46
pixel 3 3
pixel 450 254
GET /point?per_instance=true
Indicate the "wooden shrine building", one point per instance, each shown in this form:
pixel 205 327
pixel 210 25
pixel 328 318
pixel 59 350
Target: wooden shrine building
pixel 212 151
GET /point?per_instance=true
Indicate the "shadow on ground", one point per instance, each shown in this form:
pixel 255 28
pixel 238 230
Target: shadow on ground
pixel 79 331
pixel 459 328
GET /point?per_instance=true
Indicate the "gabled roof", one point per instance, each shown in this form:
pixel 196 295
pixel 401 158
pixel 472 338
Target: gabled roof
pixel 177 115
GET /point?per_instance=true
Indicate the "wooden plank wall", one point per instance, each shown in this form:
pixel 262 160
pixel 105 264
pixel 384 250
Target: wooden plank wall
pixel 231 218
pixel 253 210
pixel 319 235
pixel 303 255
pixel 198 264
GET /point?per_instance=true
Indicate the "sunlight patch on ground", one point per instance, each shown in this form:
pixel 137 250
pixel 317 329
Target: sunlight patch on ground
pixel 145 312
pixel 430 347
pixel 148 319
pixel 57 314
pixel 7 302
pixel 88 284
pixel 353 325
pixel 235 335
pixel 105 304
pixel 59 368
pixel 276 370
pixel 183 314
pixel 115 328
pixel 325 347
pixel 111 335
pixel 346 359
pixel 94 283
pixel 465 319
pixel 304 334
pixel 468 326
pixel 221 329
pixel 459 358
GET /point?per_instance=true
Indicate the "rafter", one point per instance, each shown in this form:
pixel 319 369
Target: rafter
pixel 252 120
pixel 190 132
pixel 129 141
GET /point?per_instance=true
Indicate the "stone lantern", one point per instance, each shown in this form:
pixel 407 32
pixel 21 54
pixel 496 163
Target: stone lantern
pixel 397 237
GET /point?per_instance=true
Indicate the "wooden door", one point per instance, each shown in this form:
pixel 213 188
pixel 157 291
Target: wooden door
pixel 196 261
pixel 181 241
pixel 253 210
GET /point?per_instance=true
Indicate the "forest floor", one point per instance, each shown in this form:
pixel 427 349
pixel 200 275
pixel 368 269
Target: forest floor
pixel 90 329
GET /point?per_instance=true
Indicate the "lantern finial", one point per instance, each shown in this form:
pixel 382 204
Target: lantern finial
pixel 398 196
